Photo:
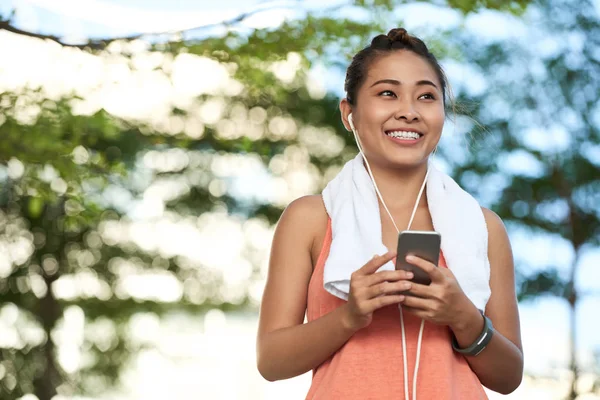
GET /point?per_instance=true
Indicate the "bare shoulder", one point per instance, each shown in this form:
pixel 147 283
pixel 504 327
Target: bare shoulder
pixel 493 222
pixel 309 207
pixel 499 248
pixel 305 216
pixel 497 235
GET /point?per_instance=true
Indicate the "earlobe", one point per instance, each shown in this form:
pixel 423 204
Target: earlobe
pixel 346 107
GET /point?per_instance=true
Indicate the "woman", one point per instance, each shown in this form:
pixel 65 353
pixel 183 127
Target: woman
pixel 367 344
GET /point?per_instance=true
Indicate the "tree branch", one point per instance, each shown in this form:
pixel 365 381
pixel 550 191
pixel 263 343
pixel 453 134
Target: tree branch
pixel 93 44
pixel 101 44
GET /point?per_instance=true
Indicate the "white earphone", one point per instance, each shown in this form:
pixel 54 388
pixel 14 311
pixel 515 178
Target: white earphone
pixel 420 337
pixel 350 122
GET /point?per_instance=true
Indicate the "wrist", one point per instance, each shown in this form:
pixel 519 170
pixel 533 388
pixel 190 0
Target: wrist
pixel 468 326
pixel 346 319
pixel 480 342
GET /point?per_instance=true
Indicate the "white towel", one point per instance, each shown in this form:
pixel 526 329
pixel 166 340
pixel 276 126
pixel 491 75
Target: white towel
pixel 352 205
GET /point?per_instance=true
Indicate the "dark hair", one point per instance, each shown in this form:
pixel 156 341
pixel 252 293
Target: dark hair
pixel 396 39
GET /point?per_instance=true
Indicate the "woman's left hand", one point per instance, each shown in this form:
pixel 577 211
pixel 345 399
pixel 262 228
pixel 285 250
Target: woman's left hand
pixel 442 302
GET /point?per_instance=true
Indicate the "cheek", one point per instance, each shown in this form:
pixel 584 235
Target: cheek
pixel 377 112
pixel 373 117
pixel 435 118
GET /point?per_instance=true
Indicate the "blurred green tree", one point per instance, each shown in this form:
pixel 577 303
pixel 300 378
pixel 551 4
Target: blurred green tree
pixel 540 156
pixel 57 169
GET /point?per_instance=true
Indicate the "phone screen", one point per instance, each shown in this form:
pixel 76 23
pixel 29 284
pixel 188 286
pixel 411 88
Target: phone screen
pixel 423 244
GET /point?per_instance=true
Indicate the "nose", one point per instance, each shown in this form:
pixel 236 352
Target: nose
pixel 407 112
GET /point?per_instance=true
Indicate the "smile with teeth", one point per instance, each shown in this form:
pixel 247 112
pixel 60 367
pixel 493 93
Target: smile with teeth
pixel 404 135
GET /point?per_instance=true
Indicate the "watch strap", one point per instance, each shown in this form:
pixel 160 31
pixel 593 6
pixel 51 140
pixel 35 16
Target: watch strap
pixel 480 343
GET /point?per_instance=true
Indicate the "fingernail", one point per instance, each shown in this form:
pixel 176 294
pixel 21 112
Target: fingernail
pixel 409 258
pixel 409 275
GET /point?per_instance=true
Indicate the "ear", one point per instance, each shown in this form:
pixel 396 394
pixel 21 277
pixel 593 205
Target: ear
pixel 346 110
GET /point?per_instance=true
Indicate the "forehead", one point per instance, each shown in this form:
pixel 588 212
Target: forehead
pixel 402 65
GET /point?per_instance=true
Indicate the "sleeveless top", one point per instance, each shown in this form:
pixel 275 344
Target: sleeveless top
pixel 370 366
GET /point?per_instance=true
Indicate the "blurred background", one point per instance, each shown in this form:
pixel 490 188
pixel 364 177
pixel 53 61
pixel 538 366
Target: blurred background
pixel 148 148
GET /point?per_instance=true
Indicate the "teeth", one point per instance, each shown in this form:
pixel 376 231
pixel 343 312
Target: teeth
pixel 404 134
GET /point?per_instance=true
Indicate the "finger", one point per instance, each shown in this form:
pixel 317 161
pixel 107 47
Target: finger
pixel 432 270
pixel 388 288
pixel 422 291
pixel 382 301
pixel 389 276
pixel 418 303
pixel 376 262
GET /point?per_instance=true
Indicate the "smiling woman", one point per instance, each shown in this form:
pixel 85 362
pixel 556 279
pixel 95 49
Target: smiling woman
pixel 407 109
pixel 370 326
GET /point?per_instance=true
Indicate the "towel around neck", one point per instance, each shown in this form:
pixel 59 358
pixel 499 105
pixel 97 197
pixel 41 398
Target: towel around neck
pixel 353 207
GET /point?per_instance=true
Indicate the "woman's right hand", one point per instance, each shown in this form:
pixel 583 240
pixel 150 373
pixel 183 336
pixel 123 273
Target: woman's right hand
pixel 371 290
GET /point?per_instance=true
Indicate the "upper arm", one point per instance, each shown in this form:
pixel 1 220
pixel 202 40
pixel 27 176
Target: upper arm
pixel 502 306
pixel 290 265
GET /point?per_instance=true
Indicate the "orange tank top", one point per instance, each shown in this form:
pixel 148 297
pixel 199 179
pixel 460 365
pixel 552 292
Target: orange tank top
pixel 370 366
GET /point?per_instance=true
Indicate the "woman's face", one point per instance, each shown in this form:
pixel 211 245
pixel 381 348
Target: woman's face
pixel 399 110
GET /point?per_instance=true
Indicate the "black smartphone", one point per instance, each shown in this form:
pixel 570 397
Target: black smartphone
pixel 423 244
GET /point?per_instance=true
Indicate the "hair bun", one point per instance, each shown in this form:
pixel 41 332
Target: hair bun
pixel 399 35
pixel 381 42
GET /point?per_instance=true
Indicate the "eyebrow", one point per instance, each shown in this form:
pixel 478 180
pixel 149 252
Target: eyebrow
pixel 397 83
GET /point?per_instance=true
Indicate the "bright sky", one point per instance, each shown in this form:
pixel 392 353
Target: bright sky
pixel 147 95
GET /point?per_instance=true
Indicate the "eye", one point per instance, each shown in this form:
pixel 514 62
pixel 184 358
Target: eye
pixel 427 96
pixel 387 93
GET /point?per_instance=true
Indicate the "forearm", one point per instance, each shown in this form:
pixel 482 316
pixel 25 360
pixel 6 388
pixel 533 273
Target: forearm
pixel 499 366
pixel 292 351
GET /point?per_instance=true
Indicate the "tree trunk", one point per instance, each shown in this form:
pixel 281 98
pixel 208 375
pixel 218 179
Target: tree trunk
pixel 573 344
pixel 49 310
pixel 565 189
pixel 572 297
pixel 49 313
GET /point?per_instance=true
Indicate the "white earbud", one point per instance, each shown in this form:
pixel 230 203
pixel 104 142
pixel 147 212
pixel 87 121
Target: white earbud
pixel 350 122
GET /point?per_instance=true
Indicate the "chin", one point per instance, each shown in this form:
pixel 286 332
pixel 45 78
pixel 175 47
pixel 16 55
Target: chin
pixel 407 161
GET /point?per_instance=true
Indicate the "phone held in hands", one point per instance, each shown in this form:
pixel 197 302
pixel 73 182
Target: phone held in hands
pixel 423 244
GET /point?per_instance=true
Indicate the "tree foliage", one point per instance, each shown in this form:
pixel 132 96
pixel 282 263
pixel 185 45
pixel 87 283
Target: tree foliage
pixel 59 171
pixel 540 153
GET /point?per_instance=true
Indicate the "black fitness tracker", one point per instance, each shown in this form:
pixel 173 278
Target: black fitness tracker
pixel 480 343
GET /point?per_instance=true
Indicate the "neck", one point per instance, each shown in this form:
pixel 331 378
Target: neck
pixel 400 187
